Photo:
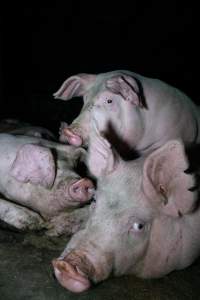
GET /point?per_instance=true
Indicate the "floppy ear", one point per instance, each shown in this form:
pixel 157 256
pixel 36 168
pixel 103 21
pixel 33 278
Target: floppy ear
pixel 75 86
pixel 34 164
pixel 129 88
pixel 165 183
pixel 101 159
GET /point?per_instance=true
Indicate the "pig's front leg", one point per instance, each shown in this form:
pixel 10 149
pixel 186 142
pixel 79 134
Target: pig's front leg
pixel 20 217
pixel 68 222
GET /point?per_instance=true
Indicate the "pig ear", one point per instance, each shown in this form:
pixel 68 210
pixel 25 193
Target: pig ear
pixel 34 164
pixel 101 159
pixel 75 86
pixel 129 88
pixel 165 181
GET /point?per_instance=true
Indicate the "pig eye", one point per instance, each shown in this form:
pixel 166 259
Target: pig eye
pixel 109 101
pixel 138 227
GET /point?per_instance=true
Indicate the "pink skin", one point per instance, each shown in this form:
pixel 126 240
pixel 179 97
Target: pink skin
pixel 145 211
pixel 70 277
pixel 71 137
pixel 133 105
pixel 81 190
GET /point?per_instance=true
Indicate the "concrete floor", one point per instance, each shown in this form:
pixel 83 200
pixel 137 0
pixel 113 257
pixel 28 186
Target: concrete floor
pixel 26 273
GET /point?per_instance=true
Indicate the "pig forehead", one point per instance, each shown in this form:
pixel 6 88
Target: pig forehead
pixel 124 183
pixel 124 186
pixel 96 91
pixel 124 206
pixel 99 88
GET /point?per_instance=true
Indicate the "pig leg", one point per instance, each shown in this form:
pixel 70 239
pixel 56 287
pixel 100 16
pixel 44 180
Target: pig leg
pixel 19 217
pixel 68 222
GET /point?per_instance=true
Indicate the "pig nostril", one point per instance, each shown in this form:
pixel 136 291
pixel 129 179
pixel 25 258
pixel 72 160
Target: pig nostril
pixel 75 189
pixel 80 272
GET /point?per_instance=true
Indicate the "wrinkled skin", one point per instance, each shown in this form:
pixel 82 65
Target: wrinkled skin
pixel 129 108
pixel 40 177
pixel 145 221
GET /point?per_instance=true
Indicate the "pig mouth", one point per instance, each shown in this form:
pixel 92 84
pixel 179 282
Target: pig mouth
pixel 72 137
pixel 74 272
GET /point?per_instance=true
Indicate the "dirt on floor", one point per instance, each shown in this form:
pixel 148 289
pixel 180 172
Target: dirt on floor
pixel 26 273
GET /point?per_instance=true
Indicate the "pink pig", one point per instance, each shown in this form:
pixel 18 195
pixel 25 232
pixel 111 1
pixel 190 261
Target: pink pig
pixel 133 111
pixel 145 221
pixel 40 177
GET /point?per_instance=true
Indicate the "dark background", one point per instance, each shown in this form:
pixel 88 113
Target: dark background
pixel 43 44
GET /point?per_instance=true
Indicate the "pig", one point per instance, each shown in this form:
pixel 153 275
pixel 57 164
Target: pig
pixel 145 220
pixel 16 127
pixel 21 218
pixel 39 175
pixel 136 112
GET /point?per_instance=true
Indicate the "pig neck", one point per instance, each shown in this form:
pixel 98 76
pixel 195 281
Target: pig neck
pixel 185 128
pixel 164 249
pixel 175 117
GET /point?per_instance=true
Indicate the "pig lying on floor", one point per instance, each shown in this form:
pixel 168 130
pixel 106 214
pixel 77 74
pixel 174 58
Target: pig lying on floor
pixel 145 221
pixel 39 178
pixel 135 112
pixel 16 127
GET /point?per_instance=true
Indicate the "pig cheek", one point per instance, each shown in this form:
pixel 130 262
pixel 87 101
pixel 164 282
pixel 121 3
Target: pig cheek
pixel 108 116
pixel 100 117
pixel 116 118
pixel 133 251
pixel 134 128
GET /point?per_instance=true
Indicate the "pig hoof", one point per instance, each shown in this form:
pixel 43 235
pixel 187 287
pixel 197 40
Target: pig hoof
pixel 82 190
pixel 70 277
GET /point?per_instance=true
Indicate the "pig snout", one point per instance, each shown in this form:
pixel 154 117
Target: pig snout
pixel 81 190
pixel 78 270
pixel 73 272
pixel 69 135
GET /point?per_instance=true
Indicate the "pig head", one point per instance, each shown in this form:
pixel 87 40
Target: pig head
pixel 41 174
pixel 144 220
pixel 134 111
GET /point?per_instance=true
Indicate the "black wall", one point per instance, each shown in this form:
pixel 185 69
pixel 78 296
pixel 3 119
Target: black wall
pixel 41 45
